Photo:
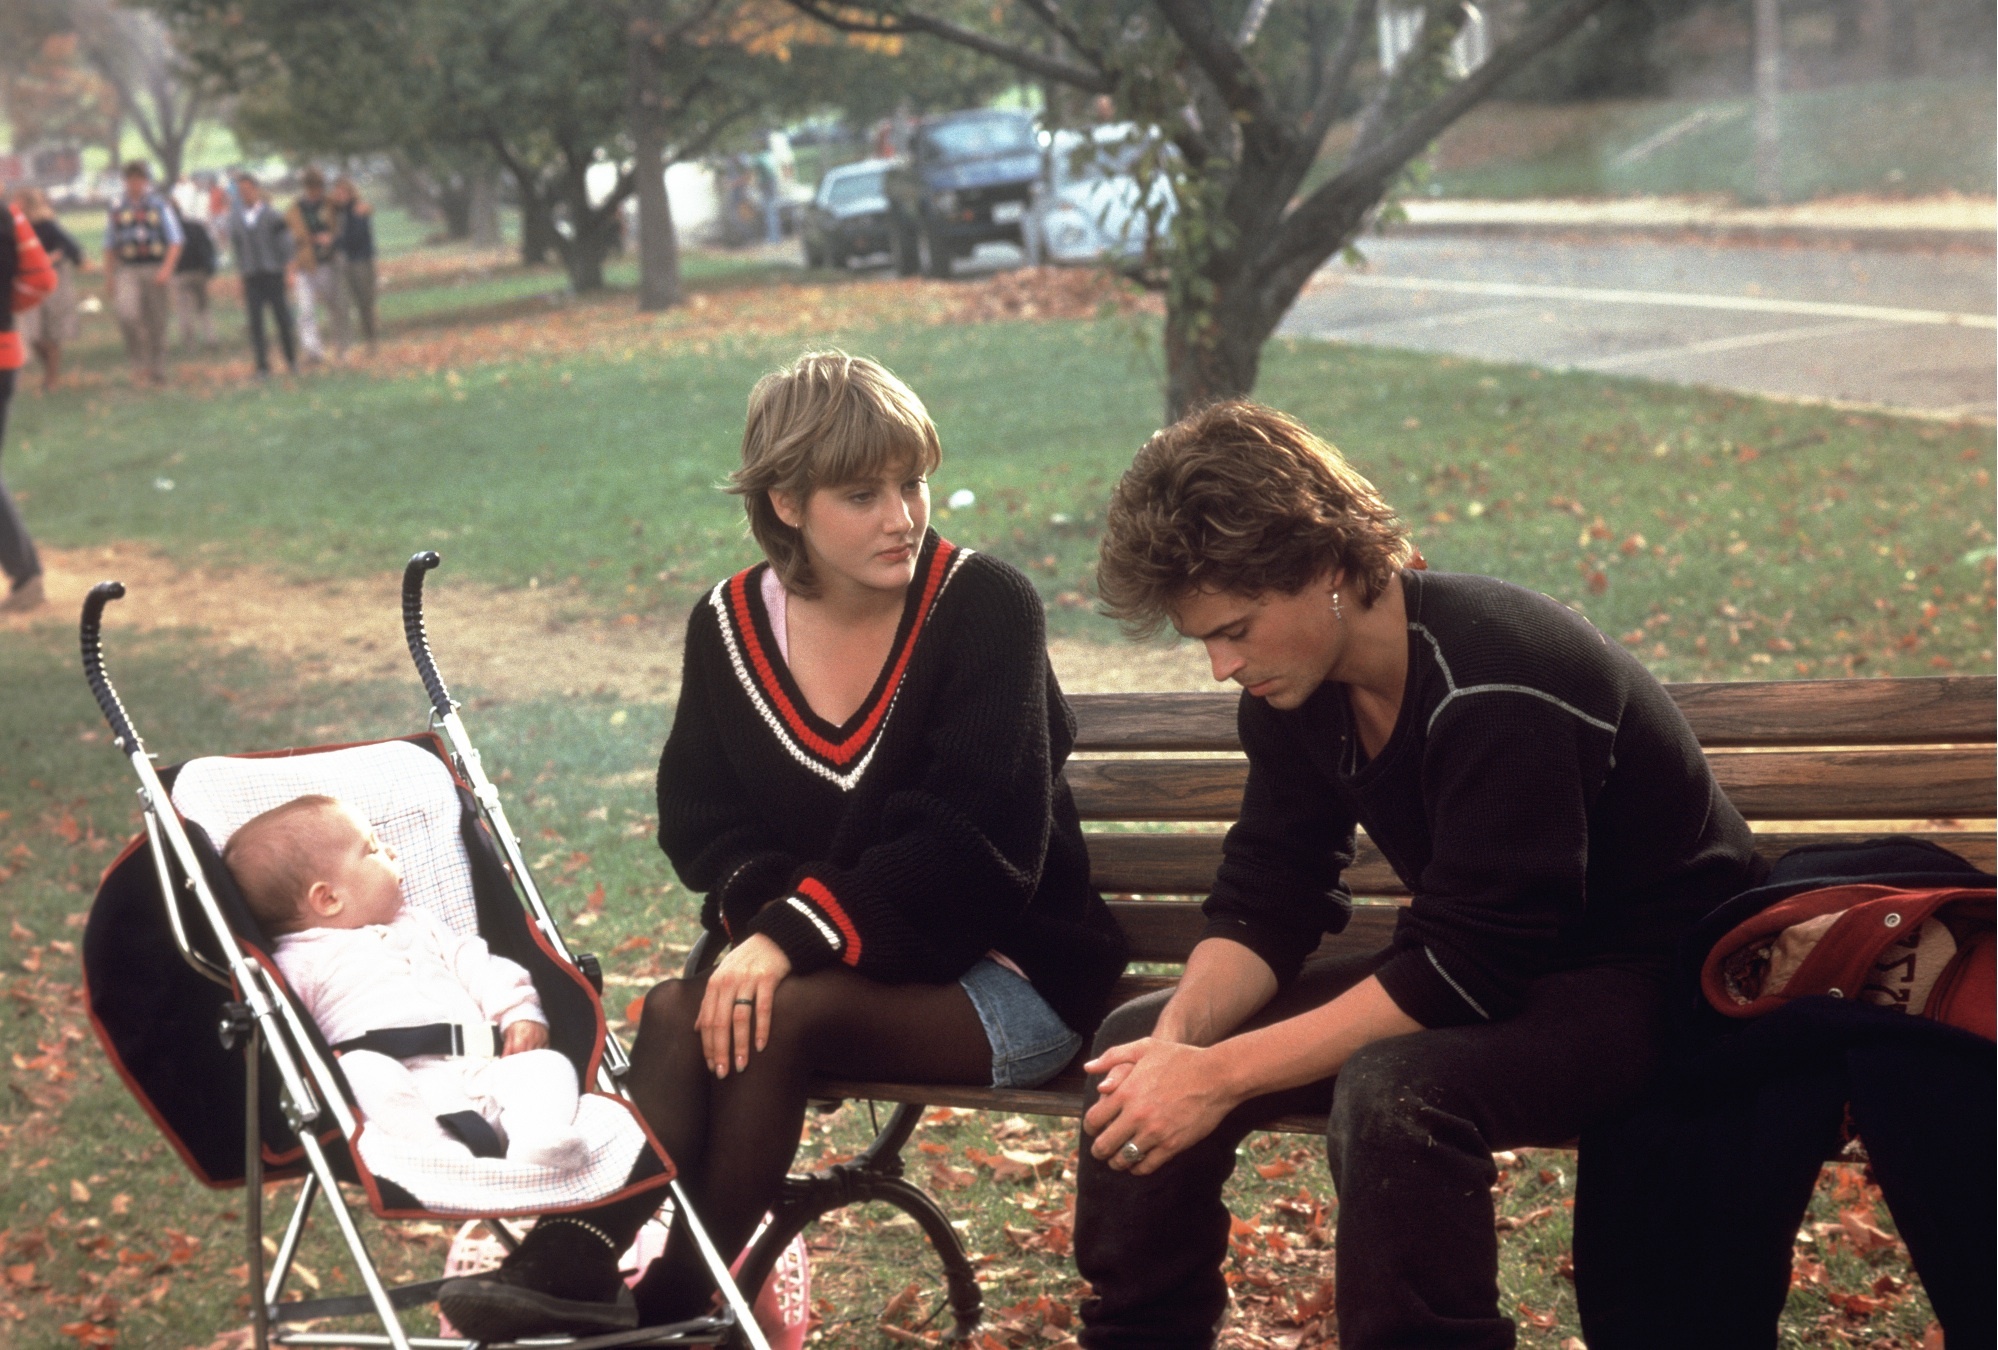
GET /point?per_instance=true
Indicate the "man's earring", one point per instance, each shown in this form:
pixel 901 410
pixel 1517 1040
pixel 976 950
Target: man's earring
pixel 1338 610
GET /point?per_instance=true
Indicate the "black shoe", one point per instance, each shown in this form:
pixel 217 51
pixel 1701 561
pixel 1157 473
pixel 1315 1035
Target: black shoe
pixel 486 1308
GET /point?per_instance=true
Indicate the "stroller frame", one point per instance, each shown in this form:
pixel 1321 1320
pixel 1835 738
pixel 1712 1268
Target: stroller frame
pixel 263 1021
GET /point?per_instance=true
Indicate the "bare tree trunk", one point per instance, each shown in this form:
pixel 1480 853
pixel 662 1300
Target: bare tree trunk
pixel 1209 357
pixel 538 236
pixel 658 247
pixel 482 221
pixel 454 204
pixel 1768 85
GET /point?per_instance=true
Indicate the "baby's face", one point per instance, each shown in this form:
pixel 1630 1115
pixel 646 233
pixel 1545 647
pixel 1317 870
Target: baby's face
pixel 363 872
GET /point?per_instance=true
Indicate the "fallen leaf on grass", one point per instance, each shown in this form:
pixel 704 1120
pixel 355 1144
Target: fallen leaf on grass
pixel 1015 1164
pixel 1276 1171
pixel 79 1192
pixel 90 1333
pixel 1542 1321
pixel 946 1177
pixel 1512 1223
pixel 903 1302
pixel 1862 1233
pixel 1314 1305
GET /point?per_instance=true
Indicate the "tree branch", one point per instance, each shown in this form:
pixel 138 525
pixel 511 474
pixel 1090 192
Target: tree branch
pixel 1032 62
pixel 1063 29
pixel 1318 225
pixel 1344 56
pixel 1235 80
pixel 1408 139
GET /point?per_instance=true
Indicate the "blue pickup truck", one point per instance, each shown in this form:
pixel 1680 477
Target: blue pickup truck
pixel 964 180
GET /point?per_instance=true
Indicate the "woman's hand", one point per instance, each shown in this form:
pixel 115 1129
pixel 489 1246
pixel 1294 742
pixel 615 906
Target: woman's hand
pixel 526 1034
pixel 744 983
pixel 1159 1095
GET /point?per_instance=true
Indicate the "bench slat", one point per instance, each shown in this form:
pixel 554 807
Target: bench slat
pixel 1948 709
pixel 1184 864
pixel 1911 784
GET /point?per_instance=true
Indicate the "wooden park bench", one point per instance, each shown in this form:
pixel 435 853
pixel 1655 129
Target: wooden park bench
pixel 1160 775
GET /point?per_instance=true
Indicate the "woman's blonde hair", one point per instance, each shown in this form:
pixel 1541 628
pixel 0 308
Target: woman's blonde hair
pixel 825 419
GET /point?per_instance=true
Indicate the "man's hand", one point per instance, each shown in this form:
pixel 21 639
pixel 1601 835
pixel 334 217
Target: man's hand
pixel 1161 1096
pixel 526 1034
pixel 164 276
pixel 744 983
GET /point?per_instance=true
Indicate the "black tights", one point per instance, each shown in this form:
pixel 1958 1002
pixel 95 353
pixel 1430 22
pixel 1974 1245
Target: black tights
pixel 733 1138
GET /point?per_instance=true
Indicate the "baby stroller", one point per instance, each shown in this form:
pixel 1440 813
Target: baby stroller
pixel 187 1001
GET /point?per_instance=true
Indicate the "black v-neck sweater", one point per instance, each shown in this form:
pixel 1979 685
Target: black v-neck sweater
pixel 1541 797
pixel 931 828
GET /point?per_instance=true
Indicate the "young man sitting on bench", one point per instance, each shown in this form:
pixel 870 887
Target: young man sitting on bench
pixel 1542 798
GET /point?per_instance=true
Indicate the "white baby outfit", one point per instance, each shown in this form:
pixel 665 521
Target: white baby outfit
pixel 413 971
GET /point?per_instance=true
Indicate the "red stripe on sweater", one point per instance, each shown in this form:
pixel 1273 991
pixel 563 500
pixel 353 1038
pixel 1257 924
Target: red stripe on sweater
pixel 842 753
pixel 814 890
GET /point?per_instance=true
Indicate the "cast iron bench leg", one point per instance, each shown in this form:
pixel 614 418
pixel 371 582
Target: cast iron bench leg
pixel 876 1175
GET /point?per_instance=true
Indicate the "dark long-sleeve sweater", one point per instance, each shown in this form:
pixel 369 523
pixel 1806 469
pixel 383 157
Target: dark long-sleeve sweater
pixel 1541 797
pixel 931 828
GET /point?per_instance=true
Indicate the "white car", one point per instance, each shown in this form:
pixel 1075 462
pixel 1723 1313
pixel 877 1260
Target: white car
pixel 1088 205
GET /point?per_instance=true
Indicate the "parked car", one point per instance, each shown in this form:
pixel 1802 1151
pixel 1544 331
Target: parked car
pixel 848 217
pixel 964 182
pixel 1087 205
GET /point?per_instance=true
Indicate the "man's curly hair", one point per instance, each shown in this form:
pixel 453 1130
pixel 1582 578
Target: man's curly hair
pixel 1240 498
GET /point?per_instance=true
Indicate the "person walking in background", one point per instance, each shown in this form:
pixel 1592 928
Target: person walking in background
pixel 142 243
pixel 261 244
pixel 26 279
pixel 45 328
pixel 353 264
pixel 191 276
pixel 312 230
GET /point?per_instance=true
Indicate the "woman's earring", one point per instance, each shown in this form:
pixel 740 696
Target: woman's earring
pixel 1338 610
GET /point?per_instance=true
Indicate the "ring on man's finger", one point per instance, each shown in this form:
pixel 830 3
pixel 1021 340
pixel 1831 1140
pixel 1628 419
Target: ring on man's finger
pixel 745 1003
pixel 1131 1154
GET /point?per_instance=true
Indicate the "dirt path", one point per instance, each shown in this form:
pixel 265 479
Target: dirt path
pixel 509 645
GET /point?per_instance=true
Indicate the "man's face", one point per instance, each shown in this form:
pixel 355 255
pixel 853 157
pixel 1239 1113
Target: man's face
pixel 136 185
pixel 249 191
pixel 1278 647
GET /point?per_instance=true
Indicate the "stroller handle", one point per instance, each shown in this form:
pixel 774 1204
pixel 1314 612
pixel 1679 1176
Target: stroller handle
pixel 102 594
pixel 412 629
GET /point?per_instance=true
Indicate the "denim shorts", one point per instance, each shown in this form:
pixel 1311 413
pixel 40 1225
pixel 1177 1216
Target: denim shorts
pixel 1030 1044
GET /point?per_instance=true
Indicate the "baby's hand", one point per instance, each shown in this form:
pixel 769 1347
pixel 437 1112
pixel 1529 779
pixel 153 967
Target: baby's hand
pixel 523 1035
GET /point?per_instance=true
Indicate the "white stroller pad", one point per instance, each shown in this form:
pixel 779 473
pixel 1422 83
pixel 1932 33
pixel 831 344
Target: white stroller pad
pixel 412 801
pixel 404 791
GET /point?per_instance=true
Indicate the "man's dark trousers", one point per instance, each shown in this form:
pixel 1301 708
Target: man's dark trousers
pixel 1414 1121
pixel 261 291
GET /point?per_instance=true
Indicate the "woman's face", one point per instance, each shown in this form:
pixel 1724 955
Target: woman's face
pixel 863 534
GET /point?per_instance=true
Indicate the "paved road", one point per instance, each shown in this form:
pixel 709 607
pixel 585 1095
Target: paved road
pixel 1907 330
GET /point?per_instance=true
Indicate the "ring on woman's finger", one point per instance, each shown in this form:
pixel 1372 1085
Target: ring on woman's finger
pixel 745 1003
pixel 1131 1154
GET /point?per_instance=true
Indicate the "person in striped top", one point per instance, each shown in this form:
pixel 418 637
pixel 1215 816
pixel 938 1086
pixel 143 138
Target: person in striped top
pixel 864 779
pixel 27 278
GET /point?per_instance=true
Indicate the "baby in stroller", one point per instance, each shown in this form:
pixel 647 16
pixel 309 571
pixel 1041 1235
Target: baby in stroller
pixel 439 1038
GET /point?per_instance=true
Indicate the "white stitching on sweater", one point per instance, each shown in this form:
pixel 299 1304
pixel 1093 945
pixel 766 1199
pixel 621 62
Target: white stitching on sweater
pixel 826 930
pixel 1476 1007
pixel 845 782
pixel 1450 683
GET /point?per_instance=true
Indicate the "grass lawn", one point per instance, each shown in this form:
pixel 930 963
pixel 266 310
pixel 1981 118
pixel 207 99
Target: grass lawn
pixel 1892 139
pixel 577 447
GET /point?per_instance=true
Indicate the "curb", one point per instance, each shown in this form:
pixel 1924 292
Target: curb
pixel 1887 238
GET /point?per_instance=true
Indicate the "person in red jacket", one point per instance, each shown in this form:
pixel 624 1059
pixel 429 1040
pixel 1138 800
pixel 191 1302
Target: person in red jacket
pixel 26 277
